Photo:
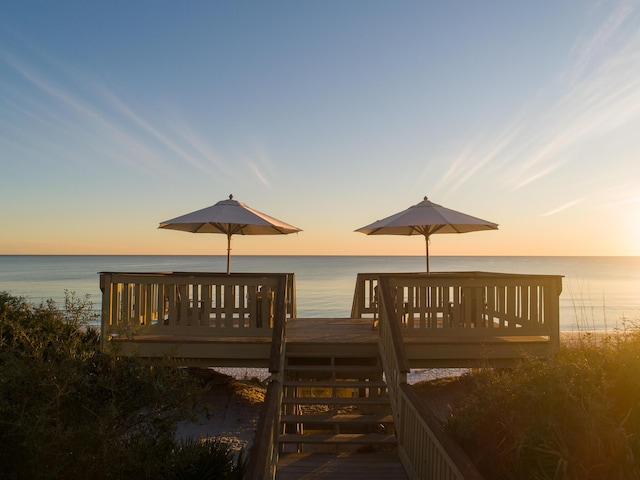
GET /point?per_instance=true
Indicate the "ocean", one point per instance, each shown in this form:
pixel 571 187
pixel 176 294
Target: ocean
pixel 599 293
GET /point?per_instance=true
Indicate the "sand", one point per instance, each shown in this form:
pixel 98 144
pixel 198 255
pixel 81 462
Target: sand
pixel 232 412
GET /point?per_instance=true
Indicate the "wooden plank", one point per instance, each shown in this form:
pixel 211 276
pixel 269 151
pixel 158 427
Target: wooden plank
pixel 198 331
pixel 335 400
pixel 218 306
pixel 206 306
pixel 115 318
pixel 464 340
pixel 355 466
pixel 338 419
pixel 355 369
pixel 107 317
pixel 336 383
pixel 359 438
pixel 228 305
pixel 534 308
pixel 182 302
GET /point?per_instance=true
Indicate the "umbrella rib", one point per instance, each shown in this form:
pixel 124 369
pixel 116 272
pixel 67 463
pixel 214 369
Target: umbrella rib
pixel 427 230
pixel 227 228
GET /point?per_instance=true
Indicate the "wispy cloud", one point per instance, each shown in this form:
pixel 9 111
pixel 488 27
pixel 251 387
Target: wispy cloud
pixel 563 207
pixel 161 137
pixel 597 93
pixel 619 195
pixel 476 156
pixel 105 121
pixel 202 148
pixel 259 175
pixel 623 194
pixel 260 164
pixel 586 51
pixel 69 115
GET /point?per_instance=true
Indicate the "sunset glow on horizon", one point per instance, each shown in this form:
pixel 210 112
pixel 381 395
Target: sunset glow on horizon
pixel 327 116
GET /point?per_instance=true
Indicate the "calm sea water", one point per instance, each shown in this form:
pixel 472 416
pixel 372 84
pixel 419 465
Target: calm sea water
pixel 598 292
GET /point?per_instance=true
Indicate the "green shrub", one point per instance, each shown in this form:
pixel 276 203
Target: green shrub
pixel 574 416
pixel 206 460
pixel 68 410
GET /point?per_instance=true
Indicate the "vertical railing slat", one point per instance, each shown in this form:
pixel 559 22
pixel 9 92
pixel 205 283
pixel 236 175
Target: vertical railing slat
pixel 193 303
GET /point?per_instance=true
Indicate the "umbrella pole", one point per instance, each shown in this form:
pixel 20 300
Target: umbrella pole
pixel 228 254
pixel 426 239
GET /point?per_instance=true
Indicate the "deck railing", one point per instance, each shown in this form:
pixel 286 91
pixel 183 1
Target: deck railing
pixel 263 457
pixel 424 447
pixel 392 351
pixel 468 303
pixel 185 303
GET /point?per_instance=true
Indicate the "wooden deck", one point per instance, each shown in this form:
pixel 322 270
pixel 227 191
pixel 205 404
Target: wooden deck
pixel 331 330
pixel 337 336
pixel 423 351
pixel 459 319
pixel 446 320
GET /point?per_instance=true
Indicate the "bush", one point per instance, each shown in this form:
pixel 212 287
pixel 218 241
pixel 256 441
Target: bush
pixel 574 416
pixel 68 410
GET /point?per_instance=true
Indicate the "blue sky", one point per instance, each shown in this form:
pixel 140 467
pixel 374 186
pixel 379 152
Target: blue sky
pixel 327 115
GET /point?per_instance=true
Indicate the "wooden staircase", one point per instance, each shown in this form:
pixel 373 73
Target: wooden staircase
pixel 336 419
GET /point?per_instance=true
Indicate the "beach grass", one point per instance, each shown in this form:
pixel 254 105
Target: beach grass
pixel 575 415
pixel 70 410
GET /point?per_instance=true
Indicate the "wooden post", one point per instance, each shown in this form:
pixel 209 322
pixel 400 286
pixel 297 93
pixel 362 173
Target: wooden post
pixel 426 239
pixel 228 253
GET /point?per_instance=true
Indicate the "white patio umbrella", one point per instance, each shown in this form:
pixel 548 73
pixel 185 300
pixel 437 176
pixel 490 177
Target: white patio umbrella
pixel 427 218
pixel 229 217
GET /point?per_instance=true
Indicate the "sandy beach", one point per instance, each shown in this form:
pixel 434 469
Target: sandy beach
pixel 232 411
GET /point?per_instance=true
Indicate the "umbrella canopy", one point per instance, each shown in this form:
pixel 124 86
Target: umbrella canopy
pixel 427 218
pixel 229 217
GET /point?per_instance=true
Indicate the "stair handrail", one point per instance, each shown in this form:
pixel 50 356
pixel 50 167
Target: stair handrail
pixel 276 358
pixel 423 432
pixel 263 457
pixel 392 350
pixel 425 449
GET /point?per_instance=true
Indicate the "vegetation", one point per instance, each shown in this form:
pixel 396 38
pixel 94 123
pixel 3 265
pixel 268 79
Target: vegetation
pixel 68 410
pixel 574 416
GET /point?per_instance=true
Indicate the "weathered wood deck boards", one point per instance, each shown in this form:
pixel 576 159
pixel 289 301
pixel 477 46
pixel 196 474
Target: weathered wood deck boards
pixel 309 466
pixel 331 330
pixel 333 336
pixel 199 350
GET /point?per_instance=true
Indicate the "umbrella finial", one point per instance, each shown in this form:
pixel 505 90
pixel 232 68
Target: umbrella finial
pixel 426 199
pixel 231 196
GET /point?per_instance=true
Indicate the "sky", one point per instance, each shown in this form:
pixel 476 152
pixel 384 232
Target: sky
pixel 328 115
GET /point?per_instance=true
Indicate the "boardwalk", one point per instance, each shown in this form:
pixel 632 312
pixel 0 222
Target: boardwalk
pixel 338 404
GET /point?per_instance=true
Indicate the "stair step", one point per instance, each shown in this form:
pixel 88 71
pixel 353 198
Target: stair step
pixel 346 419
pixel 336 383
pixel 369 466
pixel 335 400
pixel 356 369
pixel 306 354
pixel 342 438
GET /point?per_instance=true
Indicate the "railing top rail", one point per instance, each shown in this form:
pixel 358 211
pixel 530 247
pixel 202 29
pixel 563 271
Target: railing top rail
pixel 461 274
pixel 198 274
